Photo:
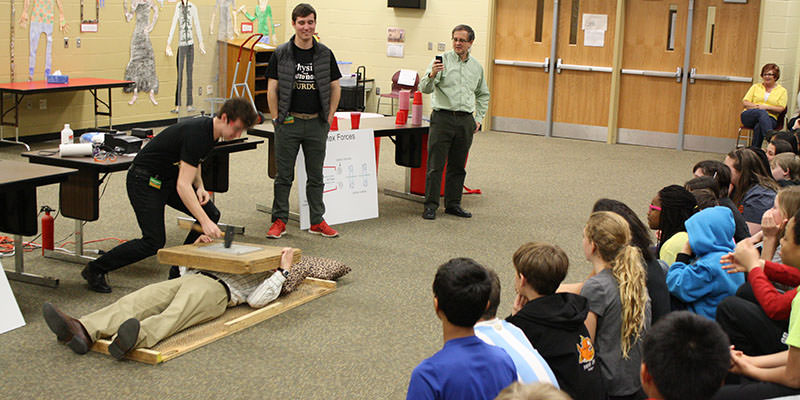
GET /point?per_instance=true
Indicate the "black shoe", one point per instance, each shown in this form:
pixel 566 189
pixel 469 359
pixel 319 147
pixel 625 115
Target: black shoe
pixel 429 213
pixel 96 280
pixel 127 335
pixel 68 330
pixel 174 272
pixel 458 212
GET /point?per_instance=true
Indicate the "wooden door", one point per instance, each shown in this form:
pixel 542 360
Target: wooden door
pixel 523 32
pixel 713 106
pixel 581 97
pixel 652 62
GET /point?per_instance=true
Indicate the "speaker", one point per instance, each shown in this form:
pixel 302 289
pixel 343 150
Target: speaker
pixel 407 3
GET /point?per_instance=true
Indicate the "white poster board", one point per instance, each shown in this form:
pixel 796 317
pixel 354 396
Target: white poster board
pixel 351 186
pixel 10 315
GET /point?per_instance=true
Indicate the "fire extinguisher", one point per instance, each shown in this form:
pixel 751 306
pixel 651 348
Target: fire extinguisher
pixel 47 229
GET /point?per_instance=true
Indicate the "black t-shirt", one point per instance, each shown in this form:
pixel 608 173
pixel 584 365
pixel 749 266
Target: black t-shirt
pixel 305 96
pixel 188 141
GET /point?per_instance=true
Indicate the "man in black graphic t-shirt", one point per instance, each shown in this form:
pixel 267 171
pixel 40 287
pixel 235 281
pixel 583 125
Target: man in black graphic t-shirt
pixel 303 93
pixel 167 172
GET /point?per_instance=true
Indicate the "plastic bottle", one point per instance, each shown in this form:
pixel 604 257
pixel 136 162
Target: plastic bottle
pixel 66 135
pixel 416 109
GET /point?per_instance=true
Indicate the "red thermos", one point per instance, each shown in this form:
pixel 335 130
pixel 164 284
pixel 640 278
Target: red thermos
pixel 47 229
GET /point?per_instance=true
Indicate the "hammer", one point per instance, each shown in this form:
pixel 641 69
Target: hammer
pixel 195 226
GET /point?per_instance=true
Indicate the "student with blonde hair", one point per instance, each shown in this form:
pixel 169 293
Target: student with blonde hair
pixel 619 307
pixel 533 391
pixel 786 169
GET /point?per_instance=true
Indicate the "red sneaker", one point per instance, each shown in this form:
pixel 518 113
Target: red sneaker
pixel 323 229
pixel 277 229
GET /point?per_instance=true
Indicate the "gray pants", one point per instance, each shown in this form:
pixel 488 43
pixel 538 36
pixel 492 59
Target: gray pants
pixel 37 29
pixel 185 57
pixel 312 134
pixel 449 142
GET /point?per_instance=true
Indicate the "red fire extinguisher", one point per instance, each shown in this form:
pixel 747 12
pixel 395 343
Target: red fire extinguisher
pixel 47 229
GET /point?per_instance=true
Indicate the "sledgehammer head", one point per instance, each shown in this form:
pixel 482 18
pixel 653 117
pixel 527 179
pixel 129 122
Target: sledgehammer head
pixel 228 236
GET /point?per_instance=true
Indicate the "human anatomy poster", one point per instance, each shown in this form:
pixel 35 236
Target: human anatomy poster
pixel 351 187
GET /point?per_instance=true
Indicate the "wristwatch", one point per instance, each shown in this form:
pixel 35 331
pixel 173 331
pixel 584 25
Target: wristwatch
pixel 284 272
pixel 276 122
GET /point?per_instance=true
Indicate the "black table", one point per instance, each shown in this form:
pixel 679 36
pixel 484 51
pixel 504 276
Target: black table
pixel 18 208
pixel 79 195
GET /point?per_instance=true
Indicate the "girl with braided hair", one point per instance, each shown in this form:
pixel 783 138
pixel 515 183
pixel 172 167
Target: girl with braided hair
pixel 754 188
pixel 668 211
pixel 619 306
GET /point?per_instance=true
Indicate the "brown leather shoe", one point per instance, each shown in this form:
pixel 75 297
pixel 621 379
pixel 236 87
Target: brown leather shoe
pixel 67 329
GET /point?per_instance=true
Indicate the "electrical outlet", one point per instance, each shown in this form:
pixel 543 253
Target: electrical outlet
pixel 43 104
pixel 200 91
pixel 209 90
pixel 78 42
pixel 430 46
pixel 440 46
pixel 66 42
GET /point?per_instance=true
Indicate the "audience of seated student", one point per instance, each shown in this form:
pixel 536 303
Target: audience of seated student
pixel 753 187
pixel 619 307
pixel 763 102
pixel 684 357
pixel 157 311
pixel 786 169
pixel 720 173
pixel 705 198
pixel 777 146
pixel 533 391
pixel 701 284
pixel 466 367
pixel 667 212
pixel 788 136
pixel 777 374
pixel 554 322
pixel 754 319
pixel 655 277
pixel 531 367
pixel 762 156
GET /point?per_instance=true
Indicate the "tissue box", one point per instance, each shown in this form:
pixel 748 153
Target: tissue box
pixel 57 78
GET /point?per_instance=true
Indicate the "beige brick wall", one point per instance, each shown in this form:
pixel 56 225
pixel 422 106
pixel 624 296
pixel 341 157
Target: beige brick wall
pixel 779 42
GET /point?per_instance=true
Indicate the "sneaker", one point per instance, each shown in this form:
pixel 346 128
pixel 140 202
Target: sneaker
pixel 277 229
pixel 323 229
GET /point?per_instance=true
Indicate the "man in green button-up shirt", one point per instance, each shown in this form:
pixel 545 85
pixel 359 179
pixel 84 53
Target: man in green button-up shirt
pixel 460 101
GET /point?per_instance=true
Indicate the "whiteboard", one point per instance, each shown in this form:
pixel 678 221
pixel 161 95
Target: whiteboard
pixel 351 186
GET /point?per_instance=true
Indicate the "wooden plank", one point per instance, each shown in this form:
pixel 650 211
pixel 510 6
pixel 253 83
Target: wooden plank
pixel 234 320
pixel 190 255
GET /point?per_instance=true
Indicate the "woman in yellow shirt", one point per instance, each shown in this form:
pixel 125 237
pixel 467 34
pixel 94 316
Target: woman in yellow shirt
pixel 763 102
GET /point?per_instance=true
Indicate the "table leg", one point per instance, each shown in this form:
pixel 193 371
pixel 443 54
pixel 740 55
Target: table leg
pixel 3 112
pixel 77 256
pixel 406 193
pixel 19 273
pixel 263 208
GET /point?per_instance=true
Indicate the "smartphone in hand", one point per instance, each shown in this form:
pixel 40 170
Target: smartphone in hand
pixel 439 58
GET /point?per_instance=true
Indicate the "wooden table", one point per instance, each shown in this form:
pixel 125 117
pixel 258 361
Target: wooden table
pixel 21 89
pixel 18 208
pixel 79 195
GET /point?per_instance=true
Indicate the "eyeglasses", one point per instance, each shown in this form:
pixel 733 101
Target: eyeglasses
pixel 655 208
pixel 768 74
pixel 459 40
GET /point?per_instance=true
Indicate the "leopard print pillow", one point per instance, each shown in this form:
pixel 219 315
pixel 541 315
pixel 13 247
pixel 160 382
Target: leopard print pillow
pixel 315 267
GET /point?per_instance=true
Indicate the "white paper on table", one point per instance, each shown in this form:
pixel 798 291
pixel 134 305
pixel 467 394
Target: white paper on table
pixel 350 191
pixel 394 50
pixel 595 22
pixel 408 77
pixel 10 316
pixel 594 38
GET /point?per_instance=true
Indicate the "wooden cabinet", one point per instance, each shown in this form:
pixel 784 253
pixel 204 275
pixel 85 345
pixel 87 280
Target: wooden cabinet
pixel 256 81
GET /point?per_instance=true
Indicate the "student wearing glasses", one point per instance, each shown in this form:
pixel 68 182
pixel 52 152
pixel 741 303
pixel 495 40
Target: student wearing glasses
pixel 763 102
pixel 460 101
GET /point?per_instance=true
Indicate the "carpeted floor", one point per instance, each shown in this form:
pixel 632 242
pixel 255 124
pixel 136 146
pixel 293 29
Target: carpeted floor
pixel 362 341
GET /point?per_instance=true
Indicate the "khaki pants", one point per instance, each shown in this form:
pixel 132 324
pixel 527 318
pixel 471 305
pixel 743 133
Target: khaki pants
pixel 162 309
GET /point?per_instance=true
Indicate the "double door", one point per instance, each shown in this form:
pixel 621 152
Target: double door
pixel 683 67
